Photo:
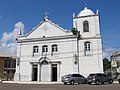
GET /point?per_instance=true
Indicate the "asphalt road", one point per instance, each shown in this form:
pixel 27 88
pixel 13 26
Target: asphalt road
pixel 114 86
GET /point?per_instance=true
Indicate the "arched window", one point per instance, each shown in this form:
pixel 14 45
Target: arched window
pixel 86 26
pixel 35 49
pixel 54 48
pixel 44 48
pixel 87 48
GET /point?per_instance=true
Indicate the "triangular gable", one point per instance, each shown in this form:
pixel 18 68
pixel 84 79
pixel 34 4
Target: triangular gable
pixel 47 29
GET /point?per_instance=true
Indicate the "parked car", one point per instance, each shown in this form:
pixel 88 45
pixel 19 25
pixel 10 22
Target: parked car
pixel 119 79
pixel 99 78
pixel 74 78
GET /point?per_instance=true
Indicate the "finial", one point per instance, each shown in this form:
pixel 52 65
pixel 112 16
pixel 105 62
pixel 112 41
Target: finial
pixel 20 33
pixel 85 6
pixel 46 15
pixel 73 15
pixel 97 12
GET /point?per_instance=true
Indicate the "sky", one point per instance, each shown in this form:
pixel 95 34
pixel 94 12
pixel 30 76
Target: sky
pixel 26 14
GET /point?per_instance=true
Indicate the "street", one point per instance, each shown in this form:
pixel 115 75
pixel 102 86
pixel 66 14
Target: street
pixel 114 86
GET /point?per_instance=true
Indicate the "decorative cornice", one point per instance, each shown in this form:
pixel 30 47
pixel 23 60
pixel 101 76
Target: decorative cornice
pixel 54 38
pixel 45 38
pixel 85 16
pixel 90 38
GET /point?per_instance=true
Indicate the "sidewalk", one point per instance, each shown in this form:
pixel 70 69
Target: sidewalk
pixel 31 82
pixel 36 82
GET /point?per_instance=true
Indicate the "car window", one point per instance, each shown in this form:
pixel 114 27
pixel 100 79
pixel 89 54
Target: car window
pixel 74 75
pixel 99 75
pixel 104 75
pixel 80 76
pixel 77 75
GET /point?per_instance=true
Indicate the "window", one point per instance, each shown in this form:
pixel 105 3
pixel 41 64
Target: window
pixel 77 75
pixel 44 48
pixel 13 64
pixel 7 64
pixel 35 50
pixel 99 75
pixel 87 48
pixel 85 26
pixel 104 75
pixel 10 64
pixel 54 50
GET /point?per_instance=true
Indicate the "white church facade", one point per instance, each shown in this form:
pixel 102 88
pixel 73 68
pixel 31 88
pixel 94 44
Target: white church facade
pixel 48 52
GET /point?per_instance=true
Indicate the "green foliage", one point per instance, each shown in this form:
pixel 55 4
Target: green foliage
pixel 106 64
pixel 75 32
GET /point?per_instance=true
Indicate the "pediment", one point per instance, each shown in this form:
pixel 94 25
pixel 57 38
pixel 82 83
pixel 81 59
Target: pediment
pixel 44 60
pixel 47 29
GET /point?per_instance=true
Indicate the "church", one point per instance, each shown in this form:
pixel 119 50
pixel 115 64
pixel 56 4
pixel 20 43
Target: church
pixel 48 51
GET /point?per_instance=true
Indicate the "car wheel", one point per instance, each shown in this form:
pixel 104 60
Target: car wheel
pixel 97 82
pixel 119 82
pixel 85 82
pixel 65 83
pixel 102 82
pixel 72 82
pixel 111 81
pixel 89 83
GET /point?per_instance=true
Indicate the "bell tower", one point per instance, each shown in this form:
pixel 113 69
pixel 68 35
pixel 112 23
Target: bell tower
pixel 90 46
pixel 87 22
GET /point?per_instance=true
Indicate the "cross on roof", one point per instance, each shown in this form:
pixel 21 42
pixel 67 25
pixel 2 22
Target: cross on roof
pixel 46 13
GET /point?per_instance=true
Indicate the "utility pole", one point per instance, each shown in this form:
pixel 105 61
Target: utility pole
pixel 78 52
pixel 78 37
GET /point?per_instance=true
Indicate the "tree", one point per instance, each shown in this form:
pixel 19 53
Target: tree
pixel 76 32
pixel 106 64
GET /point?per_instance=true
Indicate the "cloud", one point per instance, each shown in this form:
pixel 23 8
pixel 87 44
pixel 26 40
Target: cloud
pixel 8 40
pixel 107 52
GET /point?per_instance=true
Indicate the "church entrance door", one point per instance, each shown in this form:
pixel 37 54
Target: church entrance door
pixel 54 72
pixel 35 72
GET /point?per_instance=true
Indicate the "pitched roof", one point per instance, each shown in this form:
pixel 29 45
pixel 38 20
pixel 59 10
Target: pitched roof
pixel 49 21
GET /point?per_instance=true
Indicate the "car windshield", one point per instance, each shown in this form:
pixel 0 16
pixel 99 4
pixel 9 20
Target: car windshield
pixel 67 75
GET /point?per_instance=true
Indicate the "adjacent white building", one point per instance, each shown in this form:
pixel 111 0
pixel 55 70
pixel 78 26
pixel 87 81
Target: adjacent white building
pixel 49 51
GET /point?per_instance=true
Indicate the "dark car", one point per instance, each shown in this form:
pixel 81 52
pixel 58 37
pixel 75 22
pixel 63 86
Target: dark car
pixel 99 78
pixel 73 78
